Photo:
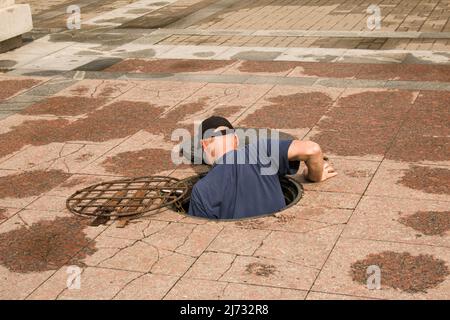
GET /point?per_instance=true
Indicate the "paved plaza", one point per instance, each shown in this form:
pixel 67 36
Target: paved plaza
pixel 79 107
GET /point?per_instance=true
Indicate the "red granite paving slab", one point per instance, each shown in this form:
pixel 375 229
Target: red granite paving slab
pixel 293 219
pixel 172 263
pixel 326 70
pixel 99 284
pixel 64 106
pixel 18 189
pixel 12 86
pixel 100 89
pixel 210 265
pixel 67 157
pixel 238 240
pixel 51 286
pixel 161 93
pixel 330 200
pixel 138 257
pixel 405 72
pixel 142 154
pixel 353 176
pixel 312 295
pixel 270 68
pixel 401 220
pixel 270 272
pixel 424 135
pixel 410 181
pixel 170 66
pixel 45 245
pixel 225 94
pixel 363 124
pixel 425 270
pixel 6 213
pixel 49 240
pixel 319 214
pixel 289 108
pixel 312 250
pixel 117 120
pixel 237 291
pixel 147 287
pixel 15 286
pixel 195 289
pixel 336 275
pixel 139 163
pixel 402 72
pixel 77 182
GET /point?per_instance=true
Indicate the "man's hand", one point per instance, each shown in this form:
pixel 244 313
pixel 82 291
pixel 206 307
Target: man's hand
pixel 317 167
pixel 327 173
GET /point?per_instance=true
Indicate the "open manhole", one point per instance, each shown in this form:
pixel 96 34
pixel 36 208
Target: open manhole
pixel 292 191
pixel 127 197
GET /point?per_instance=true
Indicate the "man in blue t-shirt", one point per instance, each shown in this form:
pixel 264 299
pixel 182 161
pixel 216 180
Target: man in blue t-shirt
pixel 244 182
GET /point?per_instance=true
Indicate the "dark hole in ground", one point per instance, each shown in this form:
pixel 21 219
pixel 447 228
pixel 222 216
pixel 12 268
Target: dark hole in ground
pixel 45 245
pixel 429 223
pixel 403 271
pixel 292 191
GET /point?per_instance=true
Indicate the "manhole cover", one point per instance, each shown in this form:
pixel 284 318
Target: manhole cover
pixel 127 197
pixel 292 191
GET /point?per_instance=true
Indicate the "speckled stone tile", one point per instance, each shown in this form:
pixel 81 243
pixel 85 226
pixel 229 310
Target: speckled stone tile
pixel 67 157
pixel 211 265
pixel 162 93
pixel 312 295
pixel 15 286
pixel 270 272
pixel 98 88
pixel 12 86
pixel 219 95
pixel 195 289
pixel 279 68
pixel 313 251
pixel 147 287
pixel 99 284
pixel 410 181
pixel 363 123
pixel 423 138
pixel 237 291
pixel 289 107
pixel 238 240
pixel 171 66
pixel 392 219
pixel 353 176
pixel 336 277
pixel 335 200
pixel 14 196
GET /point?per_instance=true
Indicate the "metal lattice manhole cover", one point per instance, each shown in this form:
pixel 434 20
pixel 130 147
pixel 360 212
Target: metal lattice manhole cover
pixel 127 197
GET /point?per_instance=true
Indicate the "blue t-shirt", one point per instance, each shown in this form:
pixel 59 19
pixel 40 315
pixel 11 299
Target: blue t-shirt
pixel 245 182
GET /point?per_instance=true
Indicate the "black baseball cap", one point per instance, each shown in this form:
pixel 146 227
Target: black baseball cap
pixel 213 123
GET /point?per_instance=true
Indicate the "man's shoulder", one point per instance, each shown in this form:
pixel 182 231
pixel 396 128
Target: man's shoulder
pixel 215 175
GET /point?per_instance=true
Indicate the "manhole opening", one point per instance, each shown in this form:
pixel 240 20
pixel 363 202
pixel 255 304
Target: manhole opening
pixel 292 191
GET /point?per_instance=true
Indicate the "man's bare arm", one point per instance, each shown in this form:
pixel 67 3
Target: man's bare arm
pixel 317 169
